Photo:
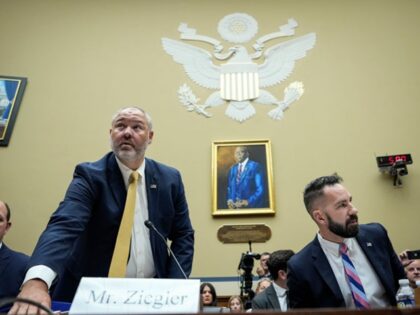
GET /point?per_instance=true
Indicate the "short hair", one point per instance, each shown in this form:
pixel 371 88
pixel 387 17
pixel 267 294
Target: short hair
pixel 315 189
pixel 212 291
pixel 278 261
pixel 8 213
pixel 265 254
pixel 148 118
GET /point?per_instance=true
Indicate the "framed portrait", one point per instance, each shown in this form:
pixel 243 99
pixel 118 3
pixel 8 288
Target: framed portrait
pixel 242 178
pixel 11 92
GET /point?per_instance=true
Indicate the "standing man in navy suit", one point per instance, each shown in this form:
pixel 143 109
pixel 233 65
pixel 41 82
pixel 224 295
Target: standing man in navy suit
pixel 317 277
pixel 246 185
pixel 12 264
pixel 81 234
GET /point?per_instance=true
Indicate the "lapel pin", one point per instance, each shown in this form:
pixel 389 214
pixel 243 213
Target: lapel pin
pixel 369 244
pixel 153 186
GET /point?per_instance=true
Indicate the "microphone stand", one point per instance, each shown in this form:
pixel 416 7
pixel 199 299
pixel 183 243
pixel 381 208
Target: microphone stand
pixel 151 226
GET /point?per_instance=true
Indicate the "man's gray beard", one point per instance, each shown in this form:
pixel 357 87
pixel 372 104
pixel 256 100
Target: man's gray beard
pixel 124 155
pixel 128 156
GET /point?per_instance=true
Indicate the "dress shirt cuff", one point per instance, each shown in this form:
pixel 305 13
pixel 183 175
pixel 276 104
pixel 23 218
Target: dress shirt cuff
pixel 42 272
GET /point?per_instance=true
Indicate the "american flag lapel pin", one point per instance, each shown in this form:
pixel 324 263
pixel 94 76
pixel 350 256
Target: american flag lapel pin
pixel 369 244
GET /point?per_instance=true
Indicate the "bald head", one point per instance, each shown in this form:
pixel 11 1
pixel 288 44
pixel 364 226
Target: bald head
pixel 132 109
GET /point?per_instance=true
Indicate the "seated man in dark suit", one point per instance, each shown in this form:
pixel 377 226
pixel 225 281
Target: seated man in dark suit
pixel 275 296
pixel 12 264
pixel 347 264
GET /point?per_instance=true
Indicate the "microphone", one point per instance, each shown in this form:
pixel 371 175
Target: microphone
pixel 151 226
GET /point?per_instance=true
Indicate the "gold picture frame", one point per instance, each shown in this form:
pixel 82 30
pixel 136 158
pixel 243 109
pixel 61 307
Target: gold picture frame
pixel 246 189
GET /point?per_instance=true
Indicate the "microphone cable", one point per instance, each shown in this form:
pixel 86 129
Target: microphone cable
pixel 11 300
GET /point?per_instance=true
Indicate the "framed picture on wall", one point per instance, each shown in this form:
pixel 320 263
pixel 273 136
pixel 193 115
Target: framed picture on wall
pixel 11 92
pixel 242 178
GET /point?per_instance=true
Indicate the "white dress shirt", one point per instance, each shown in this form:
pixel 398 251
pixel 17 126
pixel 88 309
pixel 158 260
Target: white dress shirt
pixel 140 263
pixel 281 296
pixel 374 290
pixel 242 165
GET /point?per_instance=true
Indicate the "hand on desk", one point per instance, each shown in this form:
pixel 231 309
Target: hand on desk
pixel 34 290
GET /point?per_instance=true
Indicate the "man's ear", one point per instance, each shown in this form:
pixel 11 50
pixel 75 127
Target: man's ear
pixel 319 216
pixel 9 224
pixel 282 275
pixel 151 134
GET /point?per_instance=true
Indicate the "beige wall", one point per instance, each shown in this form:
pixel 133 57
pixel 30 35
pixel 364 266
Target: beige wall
pixel 85 59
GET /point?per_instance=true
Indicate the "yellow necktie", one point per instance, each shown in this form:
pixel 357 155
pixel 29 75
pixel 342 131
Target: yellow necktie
pixel 122 245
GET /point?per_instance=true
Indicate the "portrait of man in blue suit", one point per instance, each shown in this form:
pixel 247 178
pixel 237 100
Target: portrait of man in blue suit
pixel 246 187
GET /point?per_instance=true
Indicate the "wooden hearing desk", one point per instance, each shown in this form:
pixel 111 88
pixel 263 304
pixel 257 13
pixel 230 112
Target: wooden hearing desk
pixel 327 311
pixel 340 311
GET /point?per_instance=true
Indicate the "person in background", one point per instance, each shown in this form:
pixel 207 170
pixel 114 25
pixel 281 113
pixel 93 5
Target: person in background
pixel 12 264
pixel 262 284
pixel 81 235
pixel 342 253
pixel 262 269
pixel 235 304
pixel 274 297
pixel 411 267
pixel 208 294
pixel 413 272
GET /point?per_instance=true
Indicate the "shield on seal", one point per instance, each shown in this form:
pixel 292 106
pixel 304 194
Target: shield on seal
pixel 239 81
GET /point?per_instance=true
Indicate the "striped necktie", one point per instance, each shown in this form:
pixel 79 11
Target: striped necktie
pixel 122 245
pixel 356 287
pixel 239 173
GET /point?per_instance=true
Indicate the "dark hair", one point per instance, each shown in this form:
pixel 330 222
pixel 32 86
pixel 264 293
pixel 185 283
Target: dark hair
pixel 315 189
pixel 265 254
pixel 278 261
pixel 212 291
pixel 8 213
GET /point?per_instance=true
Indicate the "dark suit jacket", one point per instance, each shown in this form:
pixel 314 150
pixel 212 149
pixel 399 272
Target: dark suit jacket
pixel 12 271
pixel 266 300
pixel 311 280
pixel 81 234
pixel 251 186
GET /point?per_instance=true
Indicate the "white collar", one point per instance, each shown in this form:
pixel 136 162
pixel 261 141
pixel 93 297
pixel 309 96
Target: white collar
pixel 244 163
pixel 126 171
pixel 280 291
pixel 334 248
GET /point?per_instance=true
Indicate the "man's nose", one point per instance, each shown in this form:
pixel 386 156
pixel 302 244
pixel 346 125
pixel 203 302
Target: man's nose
pixel 127 132
pixel 353 209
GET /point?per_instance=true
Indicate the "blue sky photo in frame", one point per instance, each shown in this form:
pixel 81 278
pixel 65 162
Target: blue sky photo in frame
pixel 11 92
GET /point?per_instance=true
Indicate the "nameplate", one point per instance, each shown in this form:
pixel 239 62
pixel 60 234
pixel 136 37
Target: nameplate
pixel 136 296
